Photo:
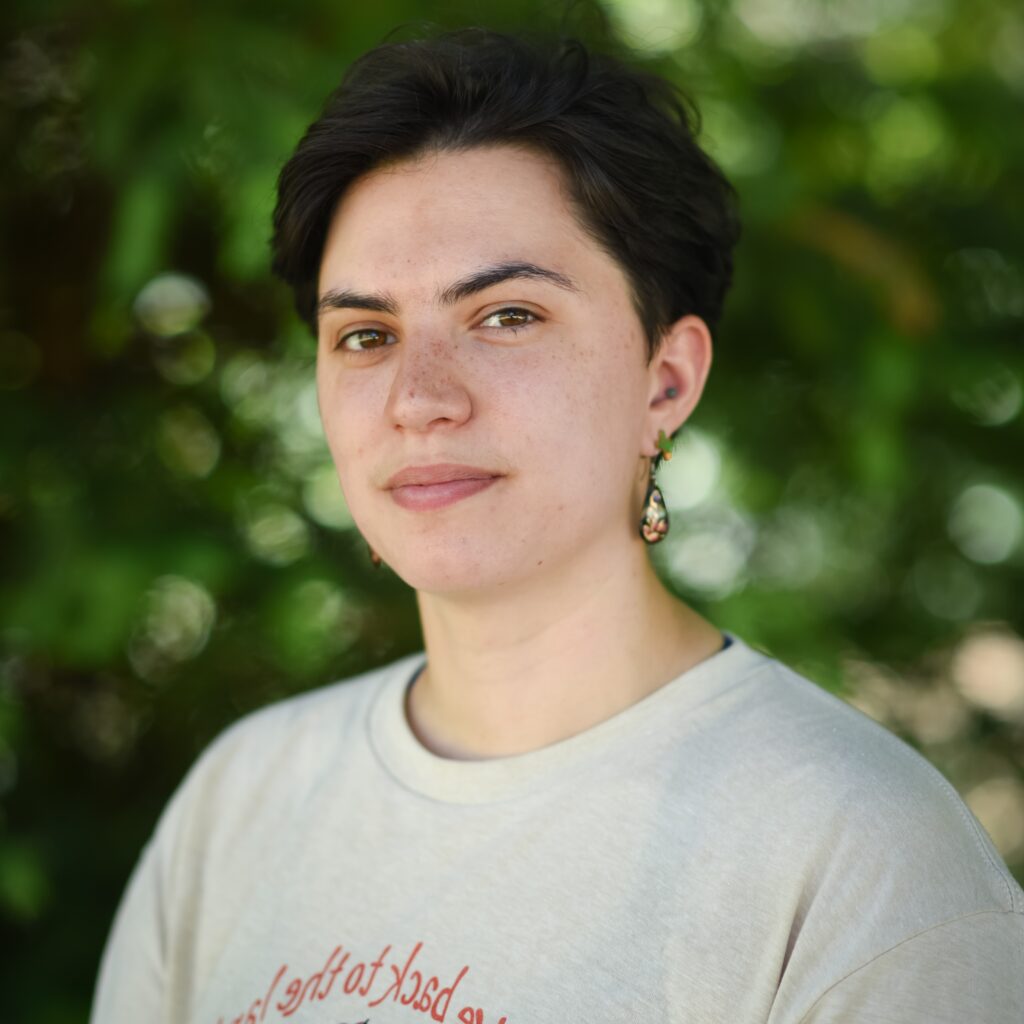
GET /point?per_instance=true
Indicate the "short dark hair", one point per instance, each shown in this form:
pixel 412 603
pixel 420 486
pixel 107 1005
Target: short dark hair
pixel 641 185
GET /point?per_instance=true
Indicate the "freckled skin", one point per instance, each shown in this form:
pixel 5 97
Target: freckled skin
pixel 561 407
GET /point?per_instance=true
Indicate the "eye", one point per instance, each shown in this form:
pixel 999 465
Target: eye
pixel 366 339
pixel 510 319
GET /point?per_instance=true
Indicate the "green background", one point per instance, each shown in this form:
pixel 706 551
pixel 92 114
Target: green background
pixel 174 547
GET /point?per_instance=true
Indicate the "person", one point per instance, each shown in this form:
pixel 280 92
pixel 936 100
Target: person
pixel 582 801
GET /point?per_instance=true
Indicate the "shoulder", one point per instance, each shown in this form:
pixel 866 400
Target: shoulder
pixel 255 772
pixel 849 800
pixel 867 806
pixel 870 849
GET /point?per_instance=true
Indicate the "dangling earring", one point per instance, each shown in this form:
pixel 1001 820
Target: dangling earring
pixel 375 558
pixel 654 521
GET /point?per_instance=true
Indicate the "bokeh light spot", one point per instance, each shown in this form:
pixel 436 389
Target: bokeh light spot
pixel 171 304
pixel 901 55
pixel 986 523
pixel 946 587
pixel 689 478
pixel 998 803
pixel 176 623
pixel 274 533
pixel 324 500
pixel 184 359
pixel 657 26
pixel 245 385
pixel 744 146
pixel 187 442
pixel 709 552
pixel 992 398
pixel 988 669
pixel 909 140
pixel 314 621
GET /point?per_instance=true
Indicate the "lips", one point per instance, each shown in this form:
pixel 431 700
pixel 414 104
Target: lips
pixel 420 476
pixel 425 488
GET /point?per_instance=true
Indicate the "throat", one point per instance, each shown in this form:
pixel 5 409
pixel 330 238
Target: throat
pixel 475 703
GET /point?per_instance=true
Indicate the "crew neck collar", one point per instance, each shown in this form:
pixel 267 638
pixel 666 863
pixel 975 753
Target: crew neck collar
pixel 503 778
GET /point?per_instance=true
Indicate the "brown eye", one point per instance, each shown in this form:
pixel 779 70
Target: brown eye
pixel 510 319
pixel 365 340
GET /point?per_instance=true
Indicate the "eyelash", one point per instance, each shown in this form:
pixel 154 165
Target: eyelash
pixel 505 311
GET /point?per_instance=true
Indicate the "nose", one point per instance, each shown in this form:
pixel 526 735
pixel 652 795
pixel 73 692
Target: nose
pixel 428 388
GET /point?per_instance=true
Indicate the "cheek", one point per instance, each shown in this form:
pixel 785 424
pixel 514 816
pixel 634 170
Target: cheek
pixel 578 419
pixel 347 418
pixel 603 391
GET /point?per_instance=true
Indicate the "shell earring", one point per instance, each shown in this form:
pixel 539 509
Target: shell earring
pixel 654 520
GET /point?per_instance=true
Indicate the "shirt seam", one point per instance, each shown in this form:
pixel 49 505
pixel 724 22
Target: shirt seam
pixel 910 938
pixel 384 765
pixel 957 801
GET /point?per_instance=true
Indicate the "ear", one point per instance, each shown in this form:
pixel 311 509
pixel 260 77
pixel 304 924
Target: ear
pixel 682 363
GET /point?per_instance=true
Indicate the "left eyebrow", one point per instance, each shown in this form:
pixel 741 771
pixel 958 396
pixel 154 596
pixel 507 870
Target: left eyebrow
pixel 499 273
pixel 342 298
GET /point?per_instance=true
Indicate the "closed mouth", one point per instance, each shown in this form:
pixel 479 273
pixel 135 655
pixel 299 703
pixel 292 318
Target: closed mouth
pixel 440 473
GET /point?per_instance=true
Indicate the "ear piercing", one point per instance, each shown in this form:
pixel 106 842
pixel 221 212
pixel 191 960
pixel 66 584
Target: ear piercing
pixel 671 392
pixel 664 444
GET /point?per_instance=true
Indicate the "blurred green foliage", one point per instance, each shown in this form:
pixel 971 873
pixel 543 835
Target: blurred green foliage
pixel 175 548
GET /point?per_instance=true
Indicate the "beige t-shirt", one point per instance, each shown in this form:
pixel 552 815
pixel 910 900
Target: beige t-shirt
pixel 739 846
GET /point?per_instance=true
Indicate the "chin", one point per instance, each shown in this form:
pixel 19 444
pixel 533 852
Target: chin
pixel 456 568
pixel 454 575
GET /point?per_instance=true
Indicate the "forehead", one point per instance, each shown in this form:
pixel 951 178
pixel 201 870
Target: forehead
pixel 449 212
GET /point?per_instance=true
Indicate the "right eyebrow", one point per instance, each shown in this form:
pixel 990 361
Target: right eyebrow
pixel 344 298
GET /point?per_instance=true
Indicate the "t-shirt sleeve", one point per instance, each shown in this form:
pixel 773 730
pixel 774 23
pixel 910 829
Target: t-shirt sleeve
pixel 149 945
pixel 967 969
pixel 130 983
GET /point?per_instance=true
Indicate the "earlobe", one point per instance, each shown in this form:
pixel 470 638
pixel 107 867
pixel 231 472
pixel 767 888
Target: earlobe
pixel 680 368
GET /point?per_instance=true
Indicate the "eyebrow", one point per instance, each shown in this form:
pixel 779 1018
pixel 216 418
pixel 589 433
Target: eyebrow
pixel 344 298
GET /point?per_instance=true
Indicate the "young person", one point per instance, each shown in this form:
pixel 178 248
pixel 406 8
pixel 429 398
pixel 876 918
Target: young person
pixel 582 801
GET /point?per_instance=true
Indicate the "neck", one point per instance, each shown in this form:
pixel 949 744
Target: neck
pixel 514 671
